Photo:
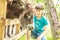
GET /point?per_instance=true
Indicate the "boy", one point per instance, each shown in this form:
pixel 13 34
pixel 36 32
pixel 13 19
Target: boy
pixel 40 24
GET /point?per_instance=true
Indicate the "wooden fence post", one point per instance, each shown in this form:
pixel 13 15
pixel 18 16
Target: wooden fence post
pixel 3 4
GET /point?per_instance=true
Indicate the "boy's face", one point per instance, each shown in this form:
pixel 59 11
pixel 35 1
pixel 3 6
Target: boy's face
pixel 39 13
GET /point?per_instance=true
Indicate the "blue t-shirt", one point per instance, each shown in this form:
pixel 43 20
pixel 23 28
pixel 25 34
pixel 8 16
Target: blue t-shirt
pixel 39 23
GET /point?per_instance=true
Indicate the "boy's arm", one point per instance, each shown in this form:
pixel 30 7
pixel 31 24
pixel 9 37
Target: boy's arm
pixel 46 29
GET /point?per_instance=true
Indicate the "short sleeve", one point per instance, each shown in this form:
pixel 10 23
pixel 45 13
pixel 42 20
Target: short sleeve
pixel 45 21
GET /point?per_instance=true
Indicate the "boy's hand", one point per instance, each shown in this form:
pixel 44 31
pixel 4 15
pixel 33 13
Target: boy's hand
pixel 39 38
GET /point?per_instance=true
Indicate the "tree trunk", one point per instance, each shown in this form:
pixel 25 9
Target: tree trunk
pixel 52 16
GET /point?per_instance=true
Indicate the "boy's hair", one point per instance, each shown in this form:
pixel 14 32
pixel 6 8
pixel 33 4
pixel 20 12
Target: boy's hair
pixel 39 6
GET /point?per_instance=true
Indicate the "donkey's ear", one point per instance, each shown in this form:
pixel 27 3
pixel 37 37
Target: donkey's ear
pixel 10 2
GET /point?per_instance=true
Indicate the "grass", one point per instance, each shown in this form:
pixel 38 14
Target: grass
pixel 49 38
pixel 23 37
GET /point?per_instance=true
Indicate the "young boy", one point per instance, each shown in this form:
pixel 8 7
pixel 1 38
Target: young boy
pixel 40 24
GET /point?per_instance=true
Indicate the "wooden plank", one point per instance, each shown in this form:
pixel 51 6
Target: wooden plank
pixel 16 37
pixel 17 28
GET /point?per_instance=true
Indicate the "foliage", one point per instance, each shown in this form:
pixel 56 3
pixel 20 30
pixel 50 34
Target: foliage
pixel 37 1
